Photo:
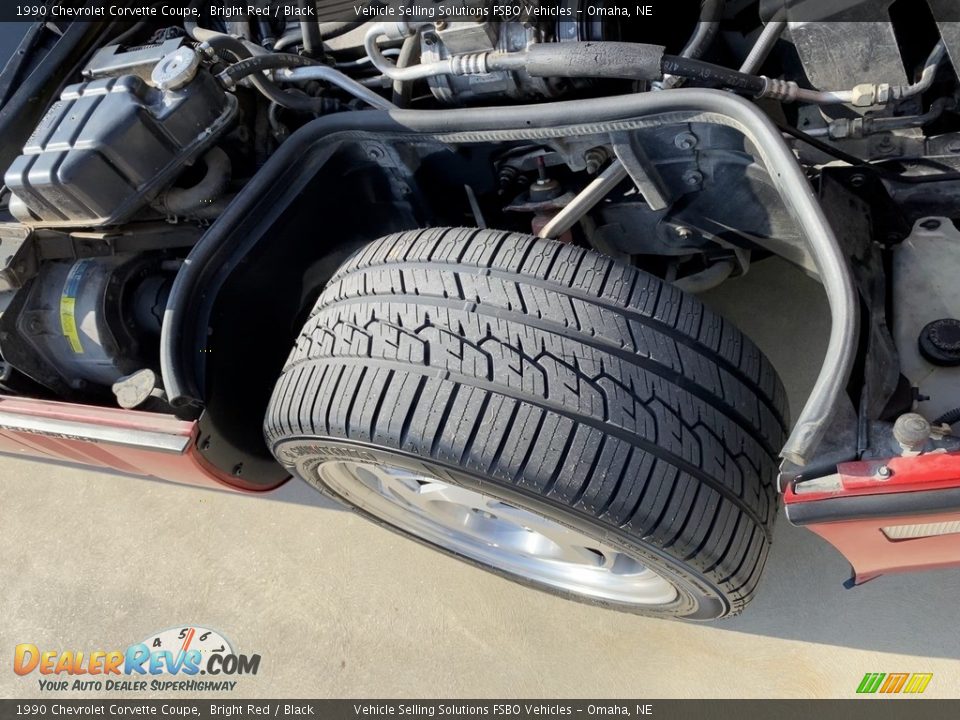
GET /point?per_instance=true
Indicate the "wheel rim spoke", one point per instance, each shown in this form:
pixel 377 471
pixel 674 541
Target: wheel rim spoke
pixel 496 533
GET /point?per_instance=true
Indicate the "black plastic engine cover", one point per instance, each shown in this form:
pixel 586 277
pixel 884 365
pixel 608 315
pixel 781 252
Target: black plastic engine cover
pixel 108 146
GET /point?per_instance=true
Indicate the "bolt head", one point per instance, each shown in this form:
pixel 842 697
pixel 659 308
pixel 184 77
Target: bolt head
pixel 864 95
pixel 685 141
pixel 912 431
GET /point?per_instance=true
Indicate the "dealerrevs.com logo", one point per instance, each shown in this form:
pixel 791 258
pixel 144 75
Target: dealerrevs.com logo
pixel 171 660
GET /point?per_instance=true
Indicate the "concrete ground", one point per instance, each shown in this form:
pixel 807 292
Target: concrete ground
pixel 338 607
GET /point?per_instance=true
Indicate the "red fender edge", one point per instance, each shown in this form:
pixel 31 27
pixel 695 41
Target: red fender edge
pixel 885 516
pixel 128 441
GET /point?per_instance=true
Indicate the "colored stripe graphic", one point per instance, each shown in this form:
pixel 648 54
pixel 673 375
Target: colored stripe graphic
pixel 893 683
pixel 918 683
pixel 870 682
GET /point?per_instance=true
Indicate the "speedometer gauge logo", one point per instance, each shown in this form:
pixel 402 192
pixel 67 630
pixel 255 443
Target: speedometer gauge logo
pixel 183 639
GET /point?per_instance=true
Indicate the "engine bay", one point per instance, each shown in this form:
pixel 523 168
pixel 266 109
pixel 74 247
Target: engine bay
pixel 126 180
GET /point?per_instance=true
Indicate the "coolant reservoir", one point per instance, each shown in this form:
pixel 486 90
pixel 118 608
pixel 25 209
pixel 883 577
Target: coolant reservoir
pixel 926 289
pixel 108 146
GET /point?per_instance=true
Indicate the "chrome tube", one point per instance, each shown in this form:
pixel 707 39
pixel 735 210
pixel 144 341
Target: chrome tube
pixel 297 161
pixel 333 76
pixel 585 201
pixel 762 47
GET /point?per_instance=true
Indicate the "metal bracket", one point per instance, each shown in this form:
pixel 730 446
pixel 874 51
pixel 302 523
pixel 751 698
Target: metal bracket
pixel 643 172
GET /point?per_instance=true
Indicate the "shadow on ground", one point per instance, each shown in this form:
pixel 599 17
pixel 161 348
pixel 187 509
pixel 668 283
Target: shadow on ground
pixel 802 596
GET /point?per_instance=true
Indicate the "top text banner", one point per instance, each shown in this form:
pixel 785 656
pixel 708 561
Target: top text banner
pixel 587 11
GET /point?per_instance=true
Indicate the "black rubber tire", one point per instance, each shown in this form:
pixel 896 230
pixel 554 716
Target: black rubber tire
pixel 552 377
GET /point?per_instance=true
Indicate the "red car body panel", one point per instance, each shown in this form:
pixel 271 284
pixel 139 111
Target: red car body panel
pixel 872 554
pixel 127 441
pixel 165 447
pixel 901 491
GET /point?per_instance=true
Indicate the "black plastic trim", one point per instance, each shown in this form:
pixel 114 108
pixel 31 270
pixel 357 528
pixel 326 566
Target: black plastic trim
pixel 866 507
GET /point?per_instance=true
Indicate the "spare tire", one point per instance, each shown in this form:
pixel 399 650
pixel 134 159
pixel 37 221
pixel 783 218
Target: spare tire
pixel 544 412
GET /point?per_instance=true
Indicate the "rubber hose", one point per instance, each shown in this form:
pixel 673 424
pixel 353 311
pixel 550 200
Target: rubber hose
pixel 265 32
pixel 312 42
pixel 951 417
pixel 702 39
pixel 217 253
pixel 260 63
pixel 227 43
pixel 193 200
pixel 713 74
pixel 287 40
pixel 297 103
pixel 706 31
pixel 267 88
pixel 328 31
pixel 627 61
pixel 212 36
pixel 310 29
pixel 703 36
pixel 402 90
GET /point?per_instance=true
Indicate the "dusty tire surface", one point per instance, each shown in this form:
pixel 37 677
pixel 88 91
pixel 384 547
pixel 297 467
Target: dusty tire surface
pixel 555 379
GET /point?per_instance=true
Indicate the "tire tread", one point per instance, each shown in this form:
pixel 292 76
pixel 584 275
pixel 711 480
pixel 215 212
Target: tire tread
pixel 558 371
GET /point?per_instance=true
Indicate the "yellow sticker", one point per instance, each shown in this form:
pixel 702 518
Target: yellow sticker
pixel 68 322
pixel 68 302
